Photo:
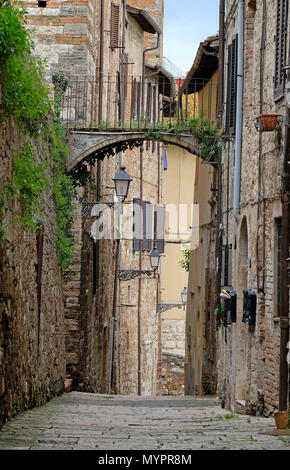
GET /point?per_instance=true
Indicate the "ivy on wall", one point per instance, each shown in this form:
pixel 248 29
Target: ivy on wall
pixel 26 99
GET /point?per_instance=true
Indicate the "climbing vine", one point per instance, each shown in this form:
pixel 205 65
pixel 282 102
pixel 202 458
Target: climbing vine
pixel 209 136
pixel 184 262
pixel 26 99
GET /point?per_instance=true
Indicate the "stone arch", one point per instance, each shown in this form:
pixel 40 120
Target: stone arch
pixel 88 145
pixel 242 283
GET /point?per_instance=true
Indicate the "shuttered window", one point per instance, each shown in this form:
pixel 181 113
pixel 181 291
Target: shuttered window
pixel 148 225
pixel 159 228
pixel 137 224
pixel 281 47
pixel 232 86
pixel 115 13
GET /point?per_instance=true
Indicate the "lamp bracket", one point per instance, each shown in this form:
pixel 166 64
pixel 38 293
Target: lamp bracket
pixel 161 308
pixel 129 274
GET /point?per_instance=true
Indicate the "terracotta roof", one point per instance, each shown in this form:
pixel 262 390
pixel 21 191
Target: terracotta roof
pixel 204 66
pixel 144 20
pixel 167 85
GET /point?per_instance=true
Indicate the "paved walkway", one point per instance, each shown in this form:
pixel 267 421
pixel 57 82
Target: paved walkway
pixel 80 421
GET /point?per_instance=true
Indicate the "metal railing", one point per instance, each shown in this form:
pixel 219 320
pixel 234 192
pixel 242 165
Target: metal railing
pixel 135 102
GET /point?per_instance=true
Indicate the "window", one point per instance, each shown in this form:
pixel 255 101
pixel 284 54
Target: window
pixel 115 11
pixel 144 232
pixel 232 86
pixel 42 4
pixel 281 47
pixel 159 228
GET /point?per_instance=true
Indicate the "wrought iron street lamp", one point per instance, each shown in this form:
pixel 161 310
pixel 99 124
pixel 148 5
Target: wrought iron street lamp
pixel 129 274
pixel 154 258
pixel 122 182
pixel 184 296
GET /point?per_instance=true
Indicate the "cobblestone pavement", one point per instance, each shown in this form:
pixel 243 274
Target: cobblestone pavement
pixel 80 421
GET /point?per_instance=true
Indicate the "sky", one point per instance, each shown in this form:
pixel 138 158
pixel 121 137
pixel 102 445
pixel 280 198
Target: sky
pixel 186 24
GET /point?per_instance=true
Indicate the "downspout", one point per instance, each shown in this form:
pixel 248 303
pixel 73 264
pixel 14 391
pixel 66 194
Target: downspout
pixel 140 283
pixel 239 112
pixel 143 69
pixel 262 62
pixel 101 71
pixel 123 65
pixel 219 234
pixel 219 240
pixel 284 299
pixel 101 86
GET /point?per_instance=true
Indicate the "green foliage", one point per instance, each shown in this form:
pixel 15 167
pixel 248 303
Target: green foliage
pixel 26 185
pixel 25 97
pixel 209 136
pixel 220 310
pixel 63 192
pixel 15 40
pixel 184 263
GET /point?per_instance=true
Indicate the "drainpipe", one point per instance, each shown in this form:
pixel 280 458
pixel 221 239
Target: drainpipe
pixel 123 65
pixel 143 69
pixel 239 113
pixel 101 86
pixel 140 283
pixel 219 234
pixel 101 72
pixel 284 299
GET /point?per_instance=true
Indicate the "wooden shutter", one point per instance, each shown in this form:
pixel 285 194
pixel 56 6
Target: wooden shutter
pixel 232 86
pixel 228 107
pixel 159 228
pixel 115 12
pixel 147 225
pixel 233 98
pixel 281 47
pixel 137 224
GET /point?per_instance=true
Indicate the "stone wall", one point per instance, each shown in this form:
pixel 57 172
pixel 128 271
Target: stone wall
pixel 248 356
pixel 32 361
pixel 172 374
pixel 173 351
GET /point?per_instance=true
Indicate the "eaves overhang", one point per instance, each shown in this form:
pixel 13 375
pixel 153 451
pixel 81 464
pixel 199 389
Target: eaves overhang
pixel 167 86
pixel 144 20
pixel 205 65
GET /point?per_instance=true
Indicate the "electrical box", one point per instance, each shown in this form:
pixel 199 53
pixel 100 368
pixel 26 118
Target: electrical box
pixel 233 310
pixel 250 307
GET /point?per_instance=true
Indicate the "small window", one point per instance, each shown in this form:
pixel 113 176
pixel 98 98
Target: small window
pixel 232 87
pixel 115 12
pixel 42 3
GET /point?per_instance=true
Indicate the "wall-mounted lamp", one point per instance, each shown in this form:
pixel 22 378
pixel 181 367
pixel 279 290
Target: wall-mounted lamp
pixel 184 293
pixel 129 274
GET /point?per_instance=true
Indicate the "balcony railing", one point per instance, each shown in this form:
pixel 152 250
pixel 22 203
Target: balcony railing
pixel 134 102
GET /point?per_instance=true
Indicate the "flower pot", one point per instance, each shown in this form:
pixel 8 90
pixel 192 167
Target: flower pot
pixel 268 122
pixel 281 419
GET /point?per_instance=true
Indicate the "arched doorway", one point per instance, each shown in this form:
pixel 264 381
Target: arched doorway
pixel 241 349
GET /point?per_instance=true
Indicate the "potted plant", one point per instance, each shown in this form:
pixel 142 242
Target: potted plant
pixel 281 419
pixel 268 121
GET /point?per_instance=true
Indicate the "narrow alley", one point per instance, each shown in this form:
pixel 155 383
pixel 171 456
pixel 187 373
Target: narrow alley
pixel 82 421
pixel 144 226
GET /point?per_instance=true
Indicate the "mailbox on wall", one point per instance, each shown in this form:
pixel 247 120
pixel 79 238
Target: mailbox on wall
pixel 233 306
pixel 250 306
